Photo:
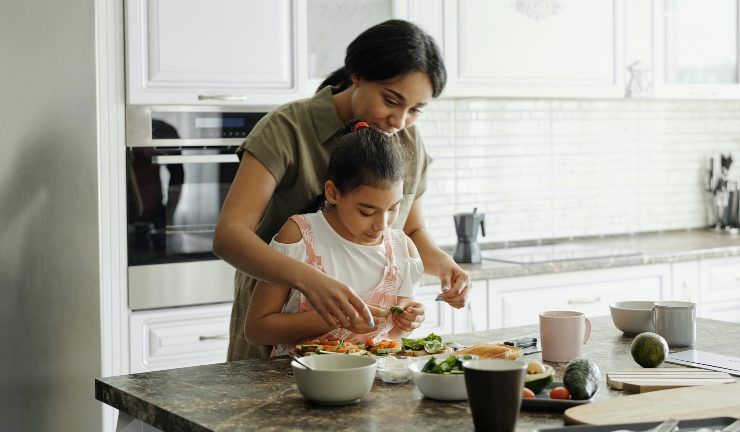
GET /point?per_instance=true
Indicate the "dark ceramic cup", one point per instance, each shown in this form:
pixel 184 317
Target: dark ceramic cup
pixel 494 392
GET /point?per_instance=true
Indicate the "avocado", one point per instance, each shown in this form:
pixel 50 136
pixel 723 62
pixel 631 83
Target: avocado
pixel 538 381
pixel 581 378
pixel 649 350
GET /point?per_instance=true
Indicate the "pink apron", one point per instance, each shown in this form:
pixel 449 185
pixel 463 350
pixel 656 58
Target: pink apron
pixel 382 296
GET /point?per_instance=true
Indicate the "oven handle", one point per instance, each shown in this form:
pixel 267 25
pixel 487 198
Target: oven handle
pixel 197 159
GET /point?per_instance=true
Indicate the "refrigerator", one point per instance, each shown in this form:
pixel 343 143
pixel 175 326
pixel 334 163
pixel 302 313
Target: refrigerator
pixel 49 237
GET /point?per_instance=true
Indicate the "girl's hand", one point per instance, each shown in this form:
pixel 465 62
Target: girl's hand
pixel 360 326
pixel 412 317
pixel 455 283
pixel 337 303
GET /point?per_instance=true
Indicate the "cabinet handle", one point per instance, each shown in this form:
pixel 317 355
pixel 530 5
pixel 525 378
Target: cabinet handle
pixel 194 159
pixel 234 98
pixel 217 337
pixel 585 301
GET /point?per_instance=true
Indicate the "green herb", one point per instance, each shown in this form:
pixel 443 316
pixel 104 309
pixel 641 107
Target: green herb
pixel 397 310
pixel 450 366
pixel 418 344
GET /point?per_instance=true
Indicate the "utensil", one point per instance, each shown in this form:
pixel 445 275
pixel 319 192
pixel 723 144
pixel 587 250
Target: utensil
pixel 335 379
pixel 297 360
pixel 667 426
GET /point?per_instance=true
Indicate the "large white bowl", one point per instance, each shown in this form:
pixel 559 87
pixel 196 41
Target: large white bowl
pixel 438 386
pixel 335 379
pixel 633 317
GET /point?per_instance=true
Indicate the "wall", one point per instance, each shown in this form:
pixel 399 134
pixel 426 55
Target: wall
pixel 560 168
pixel 49 288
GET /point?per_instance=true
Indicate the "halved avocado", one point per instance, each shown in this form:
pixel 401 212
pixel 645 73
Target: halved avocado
pixel 538 381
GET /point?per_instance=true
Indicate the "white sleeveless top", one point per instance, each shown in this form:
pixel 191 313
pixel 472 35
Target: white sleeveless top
pixel 359 266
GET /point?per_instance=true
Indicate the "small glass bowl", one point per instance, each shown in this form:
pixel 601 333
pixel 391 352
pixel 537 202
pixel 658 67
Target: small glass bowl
pixel 394 370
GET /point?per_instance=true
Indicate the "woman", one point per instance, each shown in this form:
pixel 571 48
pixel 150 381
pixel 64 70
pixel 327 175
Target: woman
pixel 391 72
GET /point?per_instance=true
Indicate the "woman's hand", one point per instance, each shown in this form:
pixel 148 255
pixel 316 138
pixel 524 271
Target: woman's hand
pixel 455 283
pixel 337 303
pixel 360 326
pixel 412 317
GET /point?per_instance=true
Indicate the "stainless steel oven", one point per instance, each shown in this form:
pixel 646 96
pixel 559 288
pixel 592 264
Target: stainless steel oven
pixel 180 164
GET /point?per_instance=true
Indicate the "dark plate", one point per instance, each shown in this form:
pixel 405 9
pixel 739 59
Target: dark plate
pixel 542 401
pixel 683 426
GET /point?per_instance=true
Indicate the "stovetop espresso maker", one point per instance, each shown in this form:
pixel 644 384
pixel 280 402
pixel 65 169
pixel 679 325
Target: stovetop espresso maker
pixel 466 225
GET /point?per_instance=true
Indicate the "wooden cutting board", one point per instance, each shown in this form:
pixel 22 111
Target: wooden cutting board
pixel 681 403
pixel 652 379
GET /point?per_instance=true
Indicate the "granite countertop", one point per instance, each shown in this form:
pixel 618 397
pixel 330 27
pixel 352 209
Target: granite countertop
pixel 653 248
pixel 261 395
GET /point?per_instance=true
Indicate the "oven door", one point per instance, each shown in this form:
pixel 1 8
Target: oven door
pixel 174 198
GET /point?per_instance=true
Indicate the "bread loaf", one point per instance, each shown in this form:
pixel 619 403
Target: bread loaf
pixel 485 350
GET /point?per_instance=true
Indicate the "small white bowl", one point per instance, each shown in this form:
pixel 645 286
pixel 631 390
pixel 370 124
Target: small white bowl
pixel 335 379
pixel 438 386
pixel 633 317
pixel 394 370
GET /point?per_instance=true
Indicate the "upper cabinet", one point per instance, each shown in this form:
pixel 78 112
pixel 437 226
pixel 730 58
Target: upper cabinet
pixel 265 53
pixel 332 25
pixel 543 48
pixel 215 51
pixel 696 48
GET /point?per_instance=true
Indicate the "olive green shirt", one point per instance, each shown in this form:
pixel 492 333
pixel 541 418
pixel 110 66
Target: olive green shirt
pixel 294 142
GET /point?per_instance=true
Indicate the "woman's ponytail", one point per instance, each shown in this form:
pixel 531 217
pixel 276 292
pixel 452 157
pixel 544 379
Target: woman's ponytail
pixel 340 78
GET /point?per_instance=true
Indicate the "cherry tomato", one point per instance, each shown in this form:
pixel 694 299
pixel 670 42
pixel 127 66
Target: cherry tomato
pixel 527 393
pixel 559 393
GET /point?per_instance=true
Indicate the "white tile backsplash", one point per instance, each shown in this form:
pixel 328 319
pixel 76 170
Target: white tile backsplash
pixel 560 168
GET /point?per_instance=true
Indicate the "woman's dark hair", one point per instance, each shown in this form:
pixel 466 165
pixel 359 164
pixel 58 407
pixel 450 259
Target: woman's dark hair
pixel 364 157
pixel 388 50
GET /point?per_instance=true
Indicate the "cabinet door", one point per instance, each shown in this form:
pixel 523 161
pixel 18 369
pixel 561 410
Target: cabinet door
pixel 723 311
pixel 696 49
pixel 720 279
pixel 179 337
pixel 438 315
pixel 519 301
pixel 529 48
pixel 213 51
pixel 332 25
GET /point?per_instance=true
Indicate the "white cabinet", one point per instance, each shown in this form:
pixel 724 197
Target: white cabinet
pixel 518 301
pixel 525 48
pixel 178 337
pixel 438 314
pixel 332 25
pixel 216 51
pixel 696 49
pixel 719 294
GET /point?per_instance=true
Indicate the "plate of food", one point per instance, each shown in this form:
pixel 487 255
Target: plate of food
pixel 542 392
pixel 328 346
pixel 432 344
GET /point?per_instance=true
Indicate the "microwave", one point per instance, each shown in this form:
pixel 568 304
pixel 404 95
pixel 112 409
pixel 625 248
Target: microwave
pixel 181 162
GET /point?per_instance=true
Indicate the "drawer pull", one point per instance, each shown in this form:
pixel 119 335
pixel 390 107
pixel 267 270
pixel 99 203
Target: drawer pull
pixel 585 301
pixel 217 337
pixel 224 98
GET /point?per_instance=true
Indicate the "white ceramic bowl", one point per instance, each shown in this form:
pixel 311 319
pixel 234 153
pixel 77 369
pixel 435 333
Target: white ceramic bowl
pixel 633 317
pixel 438 386
pixel 394 370
pixel 336 379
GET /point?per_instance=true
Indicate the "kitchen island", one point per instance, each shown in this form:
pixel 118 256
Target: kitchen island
pixel 261 395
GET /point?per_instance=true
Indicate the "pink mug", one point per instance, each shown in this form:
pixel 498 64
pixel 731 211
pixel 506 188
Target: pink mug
pixel 563 334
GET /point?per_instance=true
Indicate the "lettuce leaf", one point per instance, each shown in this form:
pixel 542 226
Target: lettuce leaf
pixel 418 344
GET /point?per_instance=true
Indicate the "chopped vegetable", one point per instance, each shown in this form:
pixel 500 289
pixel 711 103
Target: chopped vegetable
pixel 397 310
pixel 559 393
pixel 452 365
pixel 527 393
pixel 418 344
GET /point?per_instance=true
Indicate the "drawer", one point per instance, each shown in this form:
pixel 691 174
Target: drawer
pixel 179 337
pixel 590 294
pixel 721 279
pixel 723 311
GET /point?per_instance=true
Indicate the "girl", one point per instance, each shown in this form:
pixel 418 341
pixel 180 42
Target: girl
pixel 391 72
pixel 352 241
